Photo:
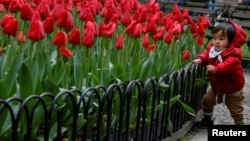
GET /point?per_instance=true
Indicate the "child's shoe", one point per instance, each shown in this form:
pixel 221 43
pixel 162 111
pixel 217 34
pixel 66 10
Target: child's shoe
pixel 205 122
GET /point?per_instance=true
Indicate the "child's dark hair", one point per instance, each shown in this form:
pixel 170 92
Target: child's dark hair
pixel 227 30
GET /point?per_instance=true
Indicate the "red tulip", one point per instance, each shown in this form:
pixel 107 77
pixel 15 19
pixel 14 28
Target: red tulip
pixel 1 7
pixel 60 39
pixel 109 14
pixel 126 18
pixel 169 24
pixel 152 26
pixel 26 12
pixel 65 52
pixel 131 27
pixel 84 12
pixel 159 35
pixel 150 48
pixel 43 9
pixel 88 38
pixel 65 20
pixel 107 29
pixel 206 21
pixel 57 10
pixel 114 19
pixel 200 40
pixel 21 38
pixel 138 30
pixel 145 41
pixel 1 51
pixel 137 16
pixel 75 36
pixel 11 27
pixel 126 6
pixel 144 14
pixel 184 14
pixel 36 31
pixel 49 24
pixel 169 37
pixel 201 29
pixel 91 25
pixel 5 19
pixel 176 13
pixel 186 55
pixel 15 5
pixel 119 44
pixel 193 28
pixel 35 16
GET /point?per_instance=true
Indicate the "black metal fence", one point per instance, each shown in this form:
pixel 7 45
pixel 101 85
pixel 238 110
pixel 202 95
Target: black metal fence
pixel 138 111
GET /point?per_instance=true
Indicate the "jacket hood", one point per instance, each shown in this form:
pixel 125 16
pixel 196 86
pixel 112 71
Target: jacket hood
pixel 240 36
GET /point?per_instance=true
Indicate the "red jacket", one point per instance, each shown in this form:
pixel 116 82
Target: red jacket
pixel 229 76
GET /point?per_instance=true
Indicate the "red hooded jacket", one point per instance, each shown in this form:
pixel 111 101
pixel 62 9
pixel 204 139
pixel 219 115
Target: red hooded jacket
pixel 229 76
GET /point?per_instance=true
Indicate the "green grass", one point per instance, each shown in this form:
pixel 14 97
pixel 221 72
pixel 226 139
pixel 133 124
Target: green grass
pixel 246 51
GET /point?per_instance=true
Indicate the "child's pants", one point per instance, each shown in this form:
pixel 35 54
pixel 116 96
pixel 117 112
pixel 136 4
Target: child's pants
pixel 233 101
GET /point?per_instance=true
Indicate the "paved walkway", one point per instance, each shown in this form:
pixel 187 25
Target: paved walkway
pixel 222 115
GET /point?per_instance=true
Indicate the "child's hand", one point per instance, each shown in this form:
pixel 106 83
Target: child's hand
pixel 196 61
pixel 211 69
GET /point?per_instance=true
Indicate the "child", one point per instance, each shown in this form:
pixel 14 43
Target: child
pixel 222 59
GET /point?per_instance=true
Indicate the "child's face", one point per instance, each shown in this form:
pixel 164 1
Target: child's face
pixel 220 41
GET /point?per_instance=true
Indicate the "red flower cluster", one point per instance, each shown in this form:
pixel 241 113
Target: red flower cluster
pixel 146 21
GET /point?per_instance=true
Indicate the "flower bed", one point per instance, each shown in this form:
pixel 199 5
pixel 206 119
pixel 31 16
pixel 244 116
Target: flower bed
pixel 49 46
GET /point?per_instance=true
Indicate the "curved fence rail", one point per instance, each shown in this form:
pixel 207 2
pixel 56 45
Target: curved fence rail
pixel 138 111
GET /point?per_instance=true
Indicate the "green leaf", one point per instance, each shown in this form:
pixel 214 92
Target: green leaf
pixel 119 71
pixel 50 86
pixel 25 82
pixel 164 86
pixel 187 108
pixel 78 73
pixel 4 93
pixel 174 100
pixel 60 73
pixel 95 79
pixel 201 81
pixel 5 122
pixel 11 75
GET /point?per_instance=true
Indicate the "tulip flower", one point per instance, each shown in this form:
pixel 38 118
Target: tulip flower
pixel 75 37
pixel 119 44
pixel 145 41
pixel 1 51
pixel 60 39
pixel 65 20
pixel 57 10
pixel 15 5
pixel 20 37
pixel 5 19
pixel 49 24
pixel 126 18
pixel 77 44
pixel 43 9
pixel 1 8
pixel 150 48
pixel 36 31
pixel 186 55
pixel 65 52
pixel 26 12
pixel 88 38
pixel 107 30
pixel 10 27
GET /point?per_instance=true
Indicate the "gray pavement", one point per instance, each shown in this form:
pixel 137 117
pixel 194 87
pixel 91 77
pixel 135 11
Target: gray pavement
pixel 222 115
